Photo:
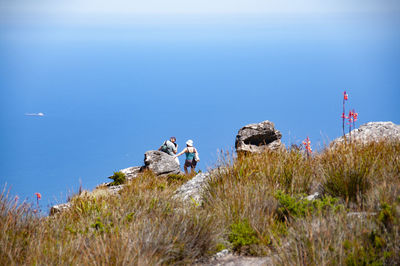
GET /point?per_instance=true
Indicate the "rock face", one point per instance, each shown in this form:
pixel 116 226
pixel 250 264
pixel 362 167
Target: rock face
pixel 257 137
pixel 193 188
pixel 373 131
pixel 131 172
pixel 160 163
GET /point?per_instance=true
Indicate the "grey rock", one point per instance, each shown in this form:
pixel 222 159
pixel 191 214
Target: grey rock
pixel 221 254
pixel 193 188
pixel 372 131
pixel 161 163
pixel 131 172
pixel 313 196
pixel 60 208
pixel 361 215
pixel 229 259
pixel 257 137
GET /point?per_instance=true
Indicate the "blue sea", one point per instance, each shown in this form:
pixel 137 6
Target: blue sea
pixel 110 92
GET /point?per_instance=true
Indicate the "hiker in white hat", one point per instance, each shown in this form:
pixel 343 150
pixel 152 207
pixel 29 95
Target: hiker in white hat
pixel 192 156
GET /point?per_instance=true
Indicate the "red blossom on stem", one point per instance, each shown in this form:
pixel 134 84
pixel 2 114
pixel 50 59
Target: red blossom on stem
pixel 345 98
pixel 355 116
pixel 307 145
pixel 38 197
pixel 352 117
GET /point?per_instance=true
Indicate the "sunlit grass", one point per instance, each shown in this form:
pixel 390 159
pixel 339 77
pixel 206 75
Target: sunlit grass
pixel 254 205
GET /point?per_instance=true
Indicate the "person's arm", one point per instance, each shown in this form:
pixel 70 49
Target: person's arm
pixel 182 152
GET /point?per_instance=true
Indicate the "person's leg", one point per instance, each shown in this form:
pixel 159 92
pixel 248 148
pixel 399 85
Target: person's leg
pixel 185 166
pixel 193 166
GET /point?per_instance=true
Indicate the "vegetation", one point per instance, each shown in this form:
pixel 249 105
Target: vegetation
pixel 119 178
pixel 254 205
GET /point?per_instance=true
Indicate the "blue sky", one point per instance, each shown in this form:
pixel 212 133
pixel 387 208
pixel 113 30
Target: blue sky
pixel 125 11
pixel 114 80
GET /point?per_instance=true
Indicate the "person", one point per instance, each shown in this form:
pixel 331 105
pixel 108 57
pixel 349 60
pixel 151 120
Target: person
pixel 192 156
pixel 171 147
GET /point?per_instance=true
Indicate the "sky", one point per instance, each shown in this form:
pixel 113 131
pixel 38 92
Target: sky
pixel 97 7
pixel 101 11
pixel 87 87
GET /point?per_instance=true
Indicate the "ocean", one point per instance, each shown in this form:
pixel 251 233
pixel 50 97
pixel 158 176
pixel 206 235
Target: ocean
pixel 108 93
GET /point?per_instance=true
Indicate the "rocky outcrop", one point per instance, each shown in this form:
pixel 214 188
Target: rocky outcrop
pixel 161 163
pixel 193 188
pixel 257 137
pixel 372 131
pixel 131 172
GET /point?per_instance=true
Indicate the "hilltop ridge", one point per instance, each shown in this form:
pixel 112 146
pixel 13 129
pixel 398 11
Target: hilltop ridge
pixel 251 209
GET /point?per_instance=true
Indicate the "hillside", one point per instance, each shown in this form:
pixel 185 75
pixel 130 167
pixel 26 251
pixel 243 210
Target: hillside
pixel 253 204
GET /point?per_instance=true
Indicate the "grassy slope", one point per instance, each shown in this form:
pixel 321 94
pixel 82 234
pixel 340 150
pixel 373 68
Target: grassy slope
pixel 255 206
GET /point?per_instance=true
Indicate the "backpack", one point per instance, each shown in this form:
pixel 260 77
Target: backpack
pixel 164 147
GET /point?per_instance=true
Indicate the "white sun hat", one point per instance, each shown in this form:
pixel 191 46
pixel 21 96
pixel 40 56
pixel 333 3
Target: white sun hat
pixel 189 142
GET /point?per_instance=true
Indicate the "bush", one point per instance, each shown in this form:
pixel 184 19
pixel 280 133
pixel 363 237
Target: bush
pixel 297 207
pixel 119 178
pixel 242 237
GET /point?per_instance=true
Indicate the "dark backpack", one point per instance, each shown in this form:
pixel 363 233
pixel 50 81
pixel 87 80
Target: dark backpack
pixel 164 147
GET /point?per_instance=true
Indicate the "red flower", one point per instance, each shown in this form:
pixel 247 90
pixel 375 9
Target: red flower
pixel 38 195
pixel 355 115
pixel 351 116
pixel 344 116
pixel 307 144
pixel 345 96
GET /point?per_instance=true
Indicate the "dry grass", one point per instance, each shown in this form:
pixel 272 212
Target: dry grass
pixel 243 210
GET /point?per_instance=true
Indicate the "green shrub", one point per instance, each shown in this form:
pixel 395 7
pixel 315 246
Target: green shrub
pixel 219 247
pixel 387 216
pixel 118 177
pixel 368 250
pixel 294 207
pixel 242 236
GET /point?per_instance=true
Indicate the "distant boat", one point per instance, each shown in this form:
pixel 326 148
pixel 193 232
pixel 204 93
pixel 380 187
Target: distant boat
pixel 34 114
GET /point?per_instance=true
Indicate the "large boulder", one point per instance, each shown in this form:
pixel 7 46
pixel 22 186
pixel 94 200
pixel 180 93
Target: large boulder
pixel 258 137
pixel 161 163
pixel 372 131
